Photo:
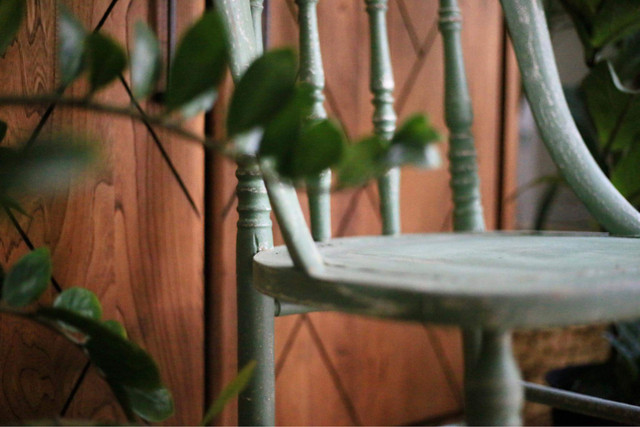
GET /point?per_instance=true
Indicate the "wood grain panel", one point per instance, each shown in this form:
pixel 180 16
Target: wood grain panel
pixel 128 233
pixel 388 373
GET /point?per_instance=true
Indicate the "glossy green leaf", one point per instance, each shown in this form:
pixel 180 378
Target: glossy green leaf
pixel 12 12
pixel 71 44
pixel 81 301
pixel 416 131
pixel 413 143
pixel 626 173
pixel 154 405
pixel 234 388
pixel 106 59
pixel 627 61
pixel 283 131
pixel 130 370
pixel 362 161
pixel 27 280
pixel 199 63
pixel 614 112
pixel 44 166
pixel 3 130
pixel 202 102
pixel 263 91
pixel 116 327
pixel 320 146
pixel 601 22
pixel 146 61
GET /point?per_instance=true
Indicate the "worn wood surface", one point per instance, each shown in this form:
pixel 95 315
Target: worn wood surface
pixel 493 280
pixel 325 359
pixel 127 232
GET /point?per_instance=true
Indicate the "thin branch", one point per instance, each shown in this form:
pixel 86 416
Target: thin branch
pixel 159 121
pixel 159 146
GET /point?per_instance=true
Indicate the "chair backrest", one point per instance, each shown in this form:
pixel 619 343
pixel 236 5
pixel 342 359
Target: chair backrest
pixel 530 36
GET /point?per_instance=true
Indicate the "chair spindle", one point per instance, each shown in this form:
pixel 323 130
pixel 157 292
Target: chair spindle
pixel 312 72
pixel 465 183
pixel 256 404
pixel 384 116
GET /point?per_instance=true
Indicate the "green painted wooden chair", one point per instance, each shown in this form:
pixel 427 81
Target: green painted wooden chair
pixel 487 283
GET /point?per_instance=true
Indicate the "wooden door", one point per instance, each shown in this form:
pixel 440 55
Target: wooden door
pixel 128 231
pixel 335 369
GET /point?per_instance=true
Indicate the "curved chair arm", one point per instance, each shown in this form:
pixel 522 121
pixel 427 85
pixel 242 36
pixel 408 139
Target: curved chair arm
pixel 286 207
pixel 532 44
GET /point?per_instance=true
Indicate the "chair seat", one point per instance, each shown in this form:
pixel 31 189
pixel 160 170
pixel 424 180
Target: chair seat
pixel 495 280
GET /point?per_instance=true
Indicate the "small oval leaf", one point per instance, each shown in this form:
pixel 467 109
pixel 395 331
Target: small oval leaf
pixel 27 280
pixel 129 370
pixel 106 60
pixel 320 147
pixel 81 301
pixel 199 62
pixel 12 13
pixel 146 61
pixel 116 327
pixel 263 91
pixel 362 161
pixel 71 43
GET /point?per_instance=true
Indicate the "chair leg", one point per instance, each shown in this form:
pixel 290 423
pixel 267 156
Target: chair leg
pixel 256 404
pixel 493 392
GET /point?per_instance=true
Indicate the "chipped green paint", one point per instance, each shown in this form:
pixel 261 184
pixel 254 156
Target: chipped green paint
pixel 384 116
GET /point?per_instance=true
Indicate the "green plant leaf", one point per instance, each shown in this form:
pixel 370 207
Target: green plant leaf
pixel 626 173
pixel 146 61
pixel 106 60
pixel 601 22
pixel 413 143
pixel 202 102
pixel 362 161
pixel 12 13
pixel 128 369
pixel 45 165
pixel 320 146
pixel 71 43
pixel 116 327
pixel 27 280
pixel 234 388
pixel 263 91
pixel 80 301
pixel 283 131
pixel 199 63
pixel 3 130
pixel 614 112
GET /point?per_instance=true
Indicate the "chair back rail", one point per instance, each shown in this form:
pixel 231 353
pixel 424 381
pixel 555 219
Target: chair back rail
pixel 384 116
pixel 532 44
pixel 312 72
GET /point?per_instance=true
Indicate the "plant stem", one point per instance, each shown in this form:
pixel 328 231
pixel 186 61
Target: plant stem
pixel 159 121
